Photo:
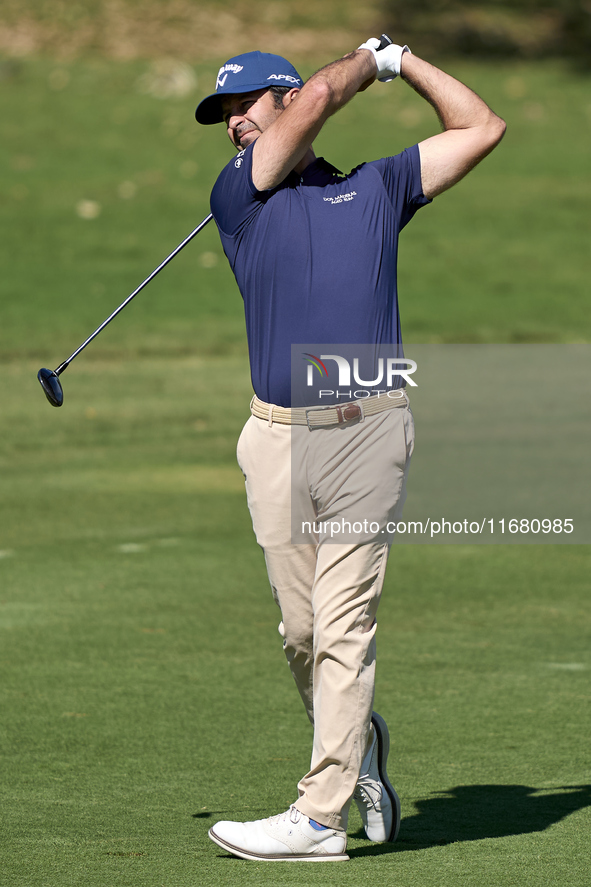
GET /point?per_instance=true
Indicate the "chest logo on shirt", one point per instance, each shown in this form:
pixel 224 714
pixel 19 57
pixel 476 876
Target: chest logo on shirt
pixel 341 198
pixel 239 159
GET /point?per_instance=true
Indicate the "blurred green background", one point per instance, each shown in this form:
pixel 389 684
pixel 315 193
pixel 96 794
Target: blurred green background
pixel 498 28
pixel 136 708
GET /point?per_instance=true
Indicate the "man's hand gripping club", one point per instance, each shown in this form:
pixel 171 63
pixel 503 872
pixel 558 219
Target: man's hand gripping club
pixel 387 55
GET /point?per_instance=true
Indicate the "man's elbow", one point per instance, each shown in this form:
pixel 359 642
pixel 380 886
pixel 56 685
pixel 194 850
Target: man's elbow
pixel 319 93
pixel 495 129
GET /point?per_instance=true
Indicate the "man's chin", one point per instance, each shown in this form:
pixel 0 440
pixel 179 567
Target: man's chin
pixel 247 139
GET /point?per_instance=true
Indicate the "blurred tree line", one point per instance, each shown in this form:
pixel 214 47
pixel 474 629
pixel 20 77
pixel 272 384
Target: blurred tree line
pixel 495 28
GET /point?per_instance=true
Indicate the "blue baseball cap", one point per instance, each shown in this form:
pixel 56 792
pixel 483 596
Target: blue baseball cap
pixel 247 73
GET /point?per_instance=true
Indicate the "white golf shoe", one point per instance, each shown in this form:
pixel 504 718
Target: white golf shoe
pixel 283 838
pixel 376 800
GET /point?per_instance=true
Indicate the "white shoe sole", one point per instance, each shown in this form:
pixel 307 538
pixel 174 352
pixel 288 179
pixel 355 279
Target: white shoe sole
pixel 289 857
pixel 383 751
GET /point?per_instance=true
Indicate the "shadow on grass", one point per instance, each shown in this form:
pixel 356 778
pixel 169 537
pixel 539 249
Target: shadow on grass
pixel 475 812
pixel 240 814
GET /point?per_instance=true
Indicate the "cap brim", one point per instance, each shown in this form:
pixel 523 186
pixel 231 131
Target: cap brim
pixel 210 109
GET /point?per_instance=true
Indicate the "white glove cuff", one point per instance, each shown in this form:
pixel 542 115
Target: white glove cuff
pixel 396 66
pixel 372 44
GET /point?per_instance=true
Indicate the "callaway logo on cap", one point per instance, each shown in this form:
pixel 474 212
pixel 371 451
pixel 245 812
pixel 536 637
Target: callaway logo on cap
pixel 246 73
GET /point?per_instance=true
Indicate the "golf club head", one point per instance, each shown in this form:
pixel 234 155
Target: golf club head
pixel 52 387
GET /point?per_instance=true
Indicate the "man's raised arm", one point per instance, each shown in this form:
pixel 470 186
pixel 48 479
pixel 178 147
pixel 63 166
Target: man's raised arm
pixel 280 148
pixel 472 130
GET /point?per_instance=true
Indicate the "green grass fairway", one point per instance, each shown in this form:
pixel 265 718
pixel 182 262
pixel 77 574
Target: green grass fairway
pixel 144 692
pixel 143 689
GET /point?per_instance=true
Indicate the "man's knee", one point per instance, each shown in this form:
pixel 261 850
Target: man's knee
pixel 298 641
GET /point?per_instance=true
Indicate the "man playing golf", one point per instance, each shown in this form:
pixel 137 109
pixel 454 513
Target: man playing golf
pixel 314 254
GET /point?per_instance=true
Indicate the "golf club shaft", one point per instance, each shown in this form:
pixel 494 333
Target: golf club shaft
pixel 175 252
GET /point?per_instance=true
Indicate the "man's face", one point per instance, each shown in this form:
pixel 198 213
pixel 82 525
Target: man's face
pixel 247 115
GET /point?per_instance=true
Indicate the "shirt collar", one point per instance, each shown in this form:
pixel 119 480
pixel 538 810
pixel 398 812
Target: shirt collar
pixel 319 172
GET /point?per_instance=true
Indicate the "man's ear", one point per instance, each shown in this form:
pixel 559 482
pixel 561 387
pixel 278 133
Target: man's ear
pixel 289 97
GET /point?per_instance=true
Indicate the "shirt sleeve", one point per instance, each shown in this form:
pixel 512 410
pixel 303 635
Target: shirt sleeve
pixel 234 198
pixel 401 175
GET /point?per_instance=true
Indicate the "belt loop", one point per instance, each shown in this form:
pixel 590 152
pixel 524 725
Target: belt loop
pixel 270 415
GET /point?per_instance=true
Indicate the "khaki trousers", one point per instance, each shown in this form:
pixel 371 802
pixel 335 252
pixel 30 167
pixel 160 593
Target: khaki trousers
pixel 328 591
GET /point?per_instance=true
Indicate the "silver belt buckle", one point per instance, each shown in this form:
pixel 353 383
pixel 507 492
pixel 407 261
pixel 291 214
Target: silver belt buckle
pixel 315 410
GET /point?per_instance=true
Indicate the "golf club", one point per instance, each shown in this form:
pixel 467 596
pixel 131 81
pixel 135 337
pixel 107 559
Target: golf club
pixel 49 379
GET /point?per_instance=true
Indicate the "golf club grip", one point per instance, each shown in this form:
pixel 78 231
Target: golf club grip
pixel 384 41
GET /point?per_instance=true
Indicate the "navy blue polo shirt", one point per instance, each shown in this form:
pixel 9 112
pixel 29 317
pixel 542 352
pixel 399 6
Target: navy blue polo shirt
pixel 315 258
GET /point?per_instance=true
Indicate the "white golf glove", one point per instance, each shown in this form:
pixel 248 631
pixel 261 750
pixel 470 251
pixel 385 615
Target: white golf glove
pixel 388 60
